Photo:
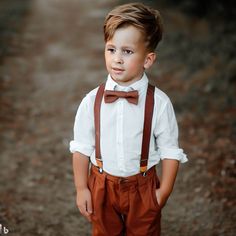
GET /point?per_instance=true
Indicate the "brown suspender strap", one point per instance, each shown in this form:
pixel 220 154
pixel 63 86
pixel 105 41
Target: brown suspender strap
pixel 149 105
pixel 97 108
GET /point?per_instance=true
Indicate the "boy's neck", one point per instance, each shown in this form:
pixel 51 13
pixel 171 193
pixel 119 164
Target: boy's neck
pixel 128 83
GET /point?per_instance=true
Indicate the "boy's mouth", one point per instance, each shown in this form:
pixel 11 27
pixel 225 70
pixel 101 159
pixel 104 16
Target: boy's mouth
pixel 117 70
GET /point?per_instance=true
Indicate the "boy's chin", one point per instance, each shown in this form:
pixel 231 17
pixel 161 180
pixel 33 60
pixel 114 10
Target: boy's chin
pixel 123 82
pixel 119 80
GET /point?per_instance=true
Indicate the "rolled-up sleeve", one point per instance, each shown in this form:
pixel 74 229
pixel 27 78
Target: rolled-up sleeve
pixel 83 141
pixel 166 135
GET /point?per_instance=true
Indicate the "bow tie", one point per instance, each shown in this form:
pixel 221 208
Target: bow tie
pixel 111 96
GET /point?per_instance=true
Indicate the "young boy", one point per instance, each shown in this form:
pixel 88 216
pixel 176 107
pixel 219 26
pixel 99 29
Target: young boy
pixel 125 127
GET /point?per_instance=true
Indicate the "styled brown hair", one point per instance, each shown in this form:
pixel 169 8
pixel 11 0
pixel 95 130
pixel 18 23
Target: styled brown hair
pixel 145 18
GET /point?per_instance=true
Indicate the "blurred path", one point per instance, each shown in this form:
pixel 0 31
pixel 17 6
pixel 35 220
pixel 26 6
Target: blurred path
pixel 42 87
pixel 59 58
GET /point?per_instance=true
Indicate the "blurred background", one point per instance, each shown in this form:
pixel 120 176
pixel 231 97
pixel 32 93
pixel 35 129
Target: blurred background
pixel 51 55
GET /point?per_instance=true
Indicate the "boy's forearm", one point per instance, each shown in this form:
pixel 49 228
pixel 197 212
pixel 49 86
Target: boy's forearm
pixel 169 172
pixel 80 168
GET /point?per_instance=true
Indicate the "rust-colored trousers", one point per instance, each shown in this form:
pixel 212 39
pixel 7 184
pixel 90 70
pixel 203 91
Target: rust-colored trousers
pixel 125 206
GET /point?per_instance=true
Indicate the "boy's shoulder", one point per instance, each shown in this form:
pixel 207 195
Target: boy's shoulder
pixel 90 96
pixel 160 95
pixel 93 92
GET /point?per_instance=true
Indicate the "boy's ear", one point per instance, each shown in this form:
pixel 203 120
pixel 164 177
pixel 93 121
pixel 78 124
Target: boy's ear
pixel 150 59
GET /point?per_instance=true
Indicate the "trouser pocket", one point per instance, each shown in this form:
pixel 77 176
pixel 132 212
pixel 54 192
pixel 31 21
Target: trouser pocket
pixel 155 186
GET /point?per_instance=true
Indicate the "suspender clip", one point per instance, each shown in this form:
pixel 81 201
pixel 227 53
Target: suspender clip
pixel 144 174
pixel 100 170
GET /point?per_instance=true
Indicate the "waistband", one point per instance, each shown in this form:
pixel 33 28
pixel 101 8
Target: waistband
pixel 130 179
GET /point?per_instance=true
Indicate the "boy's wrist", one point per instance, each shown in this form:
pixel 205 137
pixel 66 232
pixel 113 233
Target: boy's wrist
pixel 81 188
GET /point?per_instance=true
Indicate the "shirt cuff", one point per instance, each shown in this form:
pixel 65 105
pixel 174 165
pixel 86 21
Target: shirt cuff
pixel 172 153
pixel 82 148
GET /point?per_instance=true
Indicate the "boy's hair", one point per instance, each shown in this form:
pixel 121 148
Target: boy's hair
pixel 146 19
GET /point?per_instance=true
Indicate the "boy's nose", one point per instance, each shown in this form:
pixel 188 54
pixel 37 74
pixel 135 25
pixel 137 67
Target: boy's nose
pixel 118 58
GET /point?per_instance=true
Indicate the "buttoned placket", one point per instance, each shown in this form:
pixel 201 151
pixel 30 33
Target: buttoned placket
pixel 120 134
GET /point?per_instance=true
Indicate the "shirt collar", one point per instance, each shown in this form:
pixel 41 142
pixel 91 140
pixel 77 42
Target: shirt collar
pixel 139 85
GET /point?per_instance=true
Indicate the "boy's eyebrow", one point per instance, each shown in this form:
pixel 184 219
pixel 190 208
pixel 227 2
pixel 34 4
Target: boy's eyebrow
pixel 128 47
pixel 123 47
pixel 110 45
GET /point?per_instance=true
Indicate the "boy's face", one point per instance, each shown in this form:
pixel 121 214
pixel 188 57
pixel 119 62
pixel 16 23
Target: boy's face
pixel 126 55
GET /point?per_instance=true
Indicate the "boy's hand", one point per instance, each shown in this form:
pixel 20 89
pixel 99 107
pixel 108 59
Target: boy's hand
pixel 84 203
pixel 169 172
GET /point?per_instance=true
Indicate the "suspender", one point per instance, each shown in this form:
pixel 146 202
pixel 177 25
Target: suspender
pixel 97 108
pixel 149 105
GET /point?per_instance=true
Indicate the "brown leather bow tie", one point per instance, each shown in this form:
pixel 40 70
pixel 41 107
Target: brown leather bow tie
pixel 111 96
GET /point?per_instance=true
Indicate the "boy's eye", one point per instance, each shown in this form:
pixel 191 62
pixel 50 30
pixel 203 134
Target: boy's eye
pixel 127 51
pixel 112 50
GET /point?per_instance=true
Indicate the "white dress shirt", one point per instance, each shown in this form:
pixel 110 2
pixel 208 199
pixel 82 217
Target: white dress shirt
pixel 122 130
